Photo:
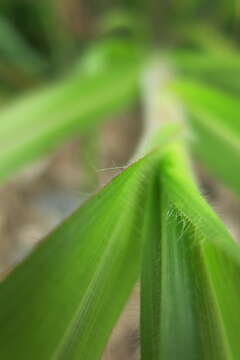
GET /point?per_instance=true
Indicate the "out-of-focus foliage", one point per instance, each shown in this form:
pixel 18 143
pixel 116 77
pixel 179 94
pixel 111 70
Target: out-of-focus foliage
pixel 14 49
pixel 217 70
pixel 214 118
pixel 106 80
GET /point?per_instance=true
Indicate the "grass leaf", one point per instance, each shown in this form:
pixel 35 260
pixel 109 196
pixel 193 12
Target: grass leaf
pixel 63 301
pixel 37 123
pixel 214 118
pixel 190 274
pixel 219 70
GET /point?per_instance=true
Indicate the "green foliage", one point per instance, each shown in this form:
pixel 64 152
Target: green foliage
pixel 214 120
pixel 15 50
pixel 106 81
pixel 88 266
pixel 190 273
pixel 151 221
pixel 221 71
pixel 76 282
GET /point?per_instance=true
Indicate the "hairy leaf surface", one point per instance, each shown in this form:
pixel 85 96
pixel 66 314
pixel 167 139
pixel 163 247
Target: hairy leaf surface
pixel 190 274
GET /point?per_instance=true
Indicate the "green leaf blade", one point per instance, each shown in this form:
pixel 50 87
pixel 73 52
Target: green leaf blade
pixel 78 279
pixel 189 311
pixel 214 122
pixel 151 276
pixel 37 123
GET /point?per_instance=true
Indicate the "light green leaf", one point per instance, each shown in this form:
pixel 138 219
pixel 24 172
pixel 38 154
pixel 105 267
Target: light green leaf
pixel 214 119
pixel 217 62
pixel 222 71
pixel 37 123
pixel 63 301
pixel 184 194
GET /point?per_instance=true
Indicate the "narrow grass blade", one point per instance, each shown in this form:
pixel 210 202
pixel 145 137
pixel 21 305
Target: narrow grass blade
pixel 220 71
pixel 37 123
pixel 214 118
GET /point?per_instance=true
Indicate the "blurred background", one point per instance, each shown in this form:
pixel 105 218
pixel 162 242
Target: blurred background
pixel 45 45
